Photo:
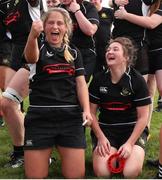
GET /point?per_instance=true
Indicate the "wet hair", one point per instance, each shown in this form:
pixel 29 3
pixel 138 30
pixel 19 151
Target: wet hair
pixel 128 48
pixel 68 23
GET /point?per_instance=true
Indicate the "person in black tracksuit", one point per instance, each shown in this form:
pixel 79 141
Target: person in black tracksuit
pixel 85 23
pixel 59 101
pixel 123 111
pixel 135 32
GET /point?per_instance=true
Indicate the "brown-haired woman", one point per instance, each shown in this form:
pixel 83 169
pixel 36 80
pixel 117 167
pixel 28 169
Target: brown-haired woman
pixel 123 100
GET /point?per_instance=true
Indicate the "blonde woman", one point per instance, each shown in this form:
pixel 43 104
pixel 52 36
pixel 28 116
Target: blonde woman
pixel 58 97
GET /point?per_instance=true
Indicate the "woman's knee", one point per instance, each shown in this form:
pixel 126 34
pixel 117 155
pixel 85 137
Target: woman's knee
pixel 132 172
pixel 101 170
pixel 5 104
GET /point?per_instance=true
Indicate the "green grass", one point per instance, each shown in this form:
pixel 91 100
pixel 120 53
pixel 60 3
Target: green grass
pixel 152 150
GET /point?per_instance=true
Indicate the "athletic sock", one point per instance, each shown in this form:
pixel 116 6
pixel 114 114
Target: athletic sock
pixel 160 170
pixel 18 151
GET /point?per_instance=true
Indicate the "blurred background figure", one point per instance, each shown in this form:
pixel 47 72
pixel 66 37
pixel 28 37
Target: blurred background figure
pixel 103 33
pixel 53 3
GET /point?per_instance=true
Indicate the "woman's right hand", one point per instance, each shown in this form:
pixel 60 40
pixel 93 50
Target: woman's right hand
pixel 103 146
pixel 36 29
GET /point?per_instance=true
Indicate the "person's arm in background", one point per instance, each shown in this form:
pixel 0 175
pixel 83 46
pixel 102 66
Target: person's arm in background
pixel 85 25
pixel 149 22
pixel 31 50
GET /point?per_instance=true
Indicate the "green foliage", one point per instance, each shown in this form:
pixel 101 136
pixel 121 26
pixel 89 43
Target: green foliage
pixel 152 150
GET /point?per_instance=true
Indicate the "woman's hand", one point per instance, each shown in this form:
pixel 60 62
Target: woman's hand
pixel 36 29
pixel 125 150
pixel 74 6
pixel 103 146
pixel 87 119
pixel 121 13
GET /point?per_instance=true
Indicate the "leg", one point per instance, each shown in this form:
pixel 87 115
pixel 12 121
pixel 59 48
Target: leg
pixel 4 71
pixel 134 164
pixel 12 114
pixel 100 164
pixel 73 162
pixel 152 89
pixel 37 163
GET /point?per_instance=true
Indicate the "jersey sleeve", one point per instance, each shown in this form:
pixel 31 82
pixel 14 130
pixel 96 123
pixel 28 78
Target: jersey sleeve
pixel 92 14
pixel 78 62
pixel 142 96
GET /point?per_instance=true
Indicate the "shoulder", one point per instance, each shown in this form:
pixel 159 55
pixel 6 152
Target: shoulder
pixel 138 81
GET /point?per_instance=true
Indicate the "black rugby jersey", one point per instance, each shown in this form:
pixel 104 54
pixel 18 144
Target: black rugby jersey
pixel 155 35
pixel 117 102
pixel 103 33
pixel 17 16
pixel 80 39
pixel 128 29
pixel 52 82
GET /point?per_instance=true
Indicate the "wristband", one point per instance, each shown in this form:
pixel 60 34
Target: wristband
pixel 121 163
pixel 76 11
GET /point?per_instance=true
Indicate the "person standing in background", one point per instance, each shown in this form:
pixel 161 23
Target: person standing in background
pixel 103 33
pixel 17 18
pixel 85 24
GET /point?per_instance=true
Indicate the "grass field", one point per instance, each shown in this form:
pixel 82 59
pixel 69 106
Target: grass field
pixel 152 149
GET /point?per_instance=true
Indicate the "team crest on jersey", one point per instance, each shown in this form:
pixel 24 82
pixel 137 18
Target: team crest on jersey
pixel 103 90
pixel 104 15
pixel 125 92
pixel 49 54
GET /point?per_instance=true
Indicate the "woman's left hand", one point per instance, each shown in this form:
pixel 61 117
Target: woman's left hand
pixel 125 150
pixel 87 119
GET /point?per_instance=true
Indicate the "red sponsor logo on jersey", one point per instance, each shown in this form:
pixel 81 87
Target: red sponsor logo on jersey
pixel 59 68
pixel 13 17
pixel 115 106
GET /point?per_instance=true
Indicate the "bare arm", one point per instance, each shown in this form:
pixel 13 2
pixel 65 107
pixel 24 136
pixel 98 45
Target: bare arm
pixel 85 25
pixel 103 146
pixel 31 50
pixel 149 22
pixel 83 96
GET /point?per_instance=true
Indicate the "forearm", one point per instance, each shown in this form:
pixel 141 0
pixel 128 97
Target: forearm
pixel 96 128
pixel 85 25
pixel 143 21
pixel 31 50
